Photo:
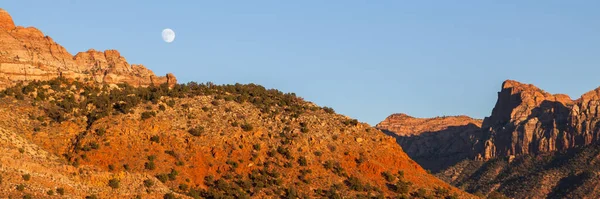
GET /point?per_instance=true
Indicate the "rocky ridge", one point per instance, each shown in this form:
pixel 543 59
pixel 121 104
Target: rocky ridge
pixel 435 143
pixel 27 54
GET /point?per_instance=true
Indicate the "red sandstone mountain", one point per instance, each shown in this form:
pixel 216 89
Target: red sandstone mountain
pixel 26 54
pixel 533 145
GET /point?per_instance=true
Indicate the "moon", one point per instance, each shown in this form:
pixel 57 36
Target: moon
pixel 168 35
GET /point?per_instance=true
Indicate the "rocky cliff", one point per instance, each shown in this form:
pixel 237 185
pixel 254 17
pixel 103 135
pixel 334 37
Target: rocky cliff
pixel 434 143
pixel 525 120
pixel 26 54
pixel 533 145
pixel 528 120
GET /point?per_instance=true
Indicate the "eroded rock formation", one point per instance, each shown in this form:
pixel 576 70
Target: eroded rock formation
pixel 434 143
pixel 26 54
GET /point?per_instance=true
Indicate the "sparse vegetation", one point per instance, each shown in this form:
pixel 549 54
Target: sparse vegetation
pixel 197 131
pixel 114 183
pixel 26 177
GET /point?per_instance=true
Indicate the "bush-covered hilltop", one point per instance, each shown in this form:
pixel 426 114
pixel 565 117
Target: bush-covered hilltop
pixel 72 99
pixel 199 141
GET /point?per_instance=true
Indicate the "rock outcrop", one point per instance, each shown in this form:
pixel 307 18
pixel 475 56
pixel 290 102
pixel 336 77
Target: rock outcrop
pixel 434 143
pixel 528 120
pixel 525 120
pixel 26 54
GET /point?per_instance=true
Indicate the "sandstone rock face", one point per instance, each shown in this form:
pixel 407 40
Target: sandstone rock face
pixel 435 143
pixel 26 54
pixel 528 120
pixel 6 21
pixel 525 120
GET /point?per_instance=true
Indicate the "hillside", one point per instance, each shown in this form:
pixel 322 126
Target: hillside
pixel 532 136
pixel 94 126
pixel 201 140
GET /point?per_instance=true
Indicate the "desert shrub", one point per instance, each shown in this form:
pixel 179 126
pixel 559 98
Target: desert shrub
pixel 196 131
pixel 27 196
pixel 173 174
pixel 355 184
pixel 20 187
pixel 361 158
pixel 233 164
pixel 26 177
pixel 148 114
pixel 50 192
pixel 162 177
pixel 100 131
pixel 60 191
pixel 350 122
pixel 256 147
pixel 183 187
pixel 302 161
pixel 150 165
pixel 171 153
pixel 420 193
pixel 114 183
pixel 246 127
pixel 318 153
pixel 162 107
pixel 148 183
pixel 304 129
pixel 171 103
pixel 151 158
pixel 155 138
pixel 328 110
pixel 93 196
pixel 388 176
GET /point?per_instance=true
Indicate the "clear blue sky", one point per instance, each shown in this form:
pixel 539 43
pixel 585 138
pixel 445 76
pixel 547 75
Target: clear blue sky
pixel 366 59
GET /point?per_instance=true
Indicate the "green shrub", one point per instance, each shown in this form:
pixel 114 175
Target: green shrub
pixel 114 183
pixel 246 127
pixel 169 196
pixel 26 177
pixel 60 191
pixel 171 103
pixel 151 158
pixel 100 131
pixel 328 110
pixel 148 183
pixel 162 177
pixel 50 192
pixel 20 187
pixel 197 131
pixel 302 161
pixel 173 174
pixel 388 176
pixel 150 165
pixel 148 114
pixel 155 138
pixel 93 196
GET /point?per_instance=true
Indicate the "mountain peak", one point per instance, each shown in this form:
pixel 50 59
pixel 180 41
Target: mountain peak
pixel 6 21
